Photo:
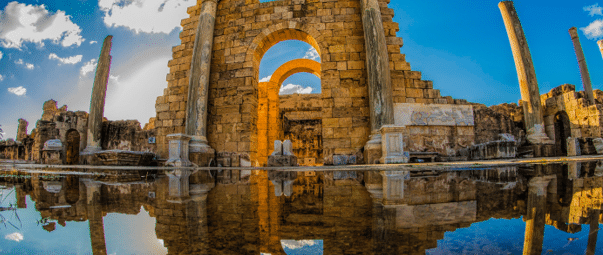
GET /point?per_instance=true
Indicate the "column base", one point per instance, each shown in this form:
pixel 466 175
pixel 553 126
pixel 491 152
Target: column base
pixel 373 150
pixel 536 135
pixel 178 149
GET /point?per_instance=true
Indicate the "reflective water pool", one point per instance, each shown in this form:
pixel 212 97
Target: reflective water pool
pixel 529 209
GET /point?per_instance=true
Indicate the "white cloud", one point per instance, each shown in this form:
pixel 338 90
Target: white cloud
pixel 93 42
pixel 266 79
pixel 27 65
pixel 1 77
pixel 294 89
pixel 17 237
pixel 594 9
pixel 19 91
pixel 295 244
pixel 88 67
pixel 21 23
pixel 594 30
pixel 312 54
pixel 1 54
pixel 145 16
pixel 70 60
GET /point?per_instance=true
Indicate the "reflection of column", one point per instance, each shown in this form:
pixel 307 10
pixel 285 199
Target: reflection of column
pixel 97 103
pixel 535 218
pixel 179 184
pixel 377 68
pixel 393 184
pixel 593 232
pixel 526 74
pixel 198 87
pixel 95 217
pixel 21 196
pixel 588 89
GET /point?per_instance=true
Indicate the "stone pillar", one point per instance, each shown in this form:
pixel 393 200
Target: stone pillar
pixel 379 80
pixel 600 43
pixel 97 102
pixel 530 94
pixel 535 218
pixel 588 89
pixel 22 130
pixel 198 86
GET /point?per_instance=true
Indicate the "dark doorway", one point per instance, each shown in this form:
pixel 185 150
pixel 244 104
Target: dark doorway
pixel 562 132
pixel 72 148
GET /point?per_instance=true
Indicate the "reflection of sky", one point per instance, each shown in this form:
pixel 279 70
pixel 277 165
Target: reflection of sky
pixel 499 236
pixel 124 234
pixel 299 247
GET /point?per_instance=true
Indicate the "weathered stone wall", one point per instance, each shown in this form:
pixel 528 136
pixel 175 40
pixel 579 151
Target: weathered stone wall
pixel 302 124
pixel 245 30
pixel 494 120
pixel 126 135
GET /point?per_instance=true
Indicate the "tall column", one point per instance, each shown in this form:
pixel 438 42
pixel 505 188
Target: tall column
pixel 97 102
pixel 377 67
pixel 535 218
pixel 588 89
pixel 600 43
pixel 198 86
pixel 528 85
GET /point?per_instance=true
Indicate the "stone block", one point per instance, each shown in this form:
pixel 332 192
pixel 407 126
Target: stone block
pixel 573 147
pixel 392 143
pixel 598 142
pixel 282 160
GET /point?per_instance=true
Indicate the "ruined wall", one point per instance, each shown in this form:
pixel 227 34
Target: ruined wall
pixel 494 120
pixel 245 30
pixel 302 124
pixel 126 135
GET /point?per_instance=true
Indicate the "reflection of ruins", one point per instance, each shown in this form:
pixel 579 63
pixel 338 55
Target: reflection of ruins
pixel 248 212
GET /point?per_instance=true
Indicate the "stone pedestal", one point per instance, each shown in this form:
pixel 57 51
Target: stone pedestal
pixel 179 148
pixel 393 185
pixel 282 155
pixel 392 145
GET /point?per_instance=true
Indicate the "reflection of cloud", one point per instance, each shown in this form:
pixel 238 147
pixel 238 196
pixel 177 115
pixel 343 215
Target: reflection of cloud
pixel 17 237
pixel 145 16
pixel 33 23
pixel 312 54
pixel 266 79
pixel 297 244
pixel 294 89
pixel 19 91
pixel 70 60
pixel 88 67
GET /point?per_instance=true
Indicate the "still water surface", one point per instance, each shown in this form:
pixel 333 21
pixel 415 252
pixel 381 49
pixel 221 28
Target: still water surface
pixel 537 209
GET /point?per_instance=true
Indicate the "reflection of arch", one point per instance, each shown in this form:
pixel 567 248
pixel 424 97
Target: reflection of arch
pixel 562 132
pixel 72 147
pixel 295 66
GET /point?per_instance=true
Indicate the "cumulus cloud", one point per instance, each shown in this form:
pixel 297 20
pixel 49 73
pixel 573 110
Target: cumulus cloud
pixel 312 54
pixel 88 67
pixel 19 91
pixel 20 23
pixel 17 237
pixel 1 77
pixel 70 60
pixel 594 30
pixel 26 65
pixel 145 16
pixel 266 79
pixel 297 244
pixel 294 89
pixel 594 9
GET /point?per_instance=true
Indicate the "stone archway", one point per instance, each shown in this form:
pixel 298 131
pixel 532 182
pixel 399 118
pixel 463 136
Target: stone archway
pixel 269 124
pixel 72 147
pixel 562 132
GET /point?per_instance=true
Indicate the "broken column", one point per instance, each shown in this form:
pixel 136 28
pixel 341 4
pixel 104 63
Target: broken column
pixel 282 154
pixel 600 43
pixel 97 102
pixel 198 86
pixel 588 89
pixel 379 81
pixel 528 85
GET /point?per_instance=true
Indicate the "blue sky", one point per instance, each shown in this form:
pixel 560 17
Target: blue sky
pixel 461 45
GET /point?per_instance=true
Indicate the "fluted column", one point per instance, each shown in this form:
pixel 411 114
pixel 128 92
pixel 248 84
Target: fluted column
pixel 528 85
pixel 377 68
pixel 97 102
pixel 588 89
pixel 198 86
pixel 535 218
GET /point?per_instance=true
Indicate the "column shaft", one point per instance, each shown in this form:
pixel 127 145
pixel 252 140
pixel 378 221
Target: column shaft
pixel 530 94
pixel 198 87
pixel 97 102
pixel 600 43
pixel 588 89
pixel 377 66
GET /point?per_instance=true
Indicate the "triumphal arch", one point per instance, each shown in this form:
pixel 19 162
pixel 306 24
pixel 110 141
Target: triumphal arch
pixel 215 96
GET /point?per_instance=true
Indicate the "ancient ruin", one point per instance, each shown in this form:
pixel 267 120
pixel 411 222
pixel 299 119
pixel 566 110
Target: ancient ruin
pixel 372 109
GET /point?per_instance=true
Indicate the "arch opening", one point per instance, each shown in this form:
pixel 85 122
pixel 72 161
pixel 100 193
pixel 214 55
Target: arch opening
pixel 72 147
pixel 562 132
